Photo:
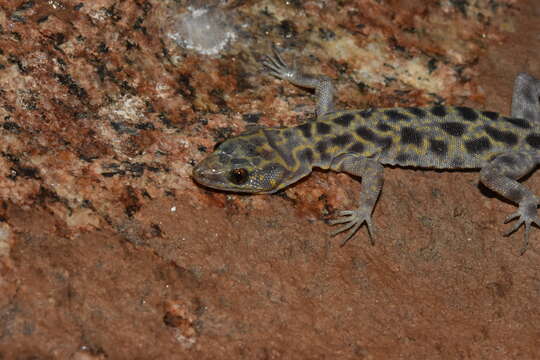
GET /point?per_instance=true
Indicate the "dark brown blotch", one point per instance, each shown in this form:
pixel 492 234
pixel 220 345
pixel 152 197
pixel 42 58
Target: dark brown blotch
pixel 323 128
pixel 456 163
pixel 305 129
pixel 402 158
pixel 365 133
pixel 342 140
pixel 467 113
pixel 521 123
pixel 381 126
pixel 306 156
pixel 366 113
pixel 384 142
pixel 506 137
pixel 438 147
pixel 396 115
pixel 453 128
pixel 491 115
pixel 438 110
pixel 420 113
pixel 344 120
pixel 533 140
pixel 411 136
pixel 357 148
pixel 321 147
pixel 478 146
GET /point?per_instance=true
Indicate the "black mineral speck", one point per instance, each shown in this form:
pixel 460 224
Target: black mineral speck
pixel 252 118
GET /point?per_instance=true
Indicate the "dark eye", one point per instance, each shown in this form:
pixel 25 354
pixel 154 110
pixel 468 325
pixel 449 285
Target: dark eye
pixel 238 176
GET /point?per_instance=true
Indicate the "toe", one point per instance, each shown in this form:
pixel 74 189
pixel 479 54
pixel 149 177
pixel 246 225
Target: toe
pixel 514 228
pixel 350 234
pixel 511 217
pixel 342 228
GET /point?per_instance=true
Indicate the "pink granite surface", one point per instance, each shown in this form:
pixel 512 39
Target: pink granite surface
pixel 108 250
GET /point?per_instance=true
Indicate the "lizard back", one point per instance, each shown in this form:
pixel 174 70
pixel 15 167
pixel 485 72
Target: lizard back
pixel 438 137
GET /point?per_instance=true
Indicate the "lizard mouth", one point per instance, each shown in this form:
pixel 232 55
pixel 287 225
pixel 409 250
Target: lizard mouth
pixel 206 176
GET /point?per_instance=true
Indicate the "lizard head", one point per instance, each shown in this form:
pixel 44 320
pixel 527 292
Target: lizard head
pixel 245 163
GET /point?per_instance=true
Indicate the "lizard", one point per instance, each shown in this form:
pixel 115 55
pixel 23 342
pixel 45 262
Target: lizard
pixel 360 142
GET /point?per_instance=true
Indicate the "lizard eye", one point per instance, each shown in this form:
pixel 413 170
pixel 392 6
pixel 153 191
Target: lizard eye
pixel 238 176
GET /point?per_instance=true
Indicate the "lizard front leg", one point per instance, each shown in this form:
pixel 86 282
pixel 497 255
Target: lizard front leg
pixel 371 172
pixel 324 90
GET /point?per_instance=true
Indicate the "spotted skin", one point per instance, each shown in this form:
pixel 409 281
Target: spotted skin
pixel 360 142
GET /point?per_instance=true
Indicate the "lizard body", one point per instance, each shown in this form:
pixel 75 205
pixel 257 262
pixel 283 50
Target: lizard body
pixel 359 142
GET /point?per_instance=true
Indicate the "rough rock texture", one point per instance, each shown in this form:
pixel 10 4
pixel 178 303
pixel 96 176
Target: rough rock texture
pixel 109 250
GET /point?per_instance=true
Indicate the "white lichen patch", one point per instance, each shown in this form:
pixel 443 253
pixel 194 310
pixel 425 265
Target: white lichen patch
pixel 126 108
pixel 206 31
pixel 375 55
pixel 6 239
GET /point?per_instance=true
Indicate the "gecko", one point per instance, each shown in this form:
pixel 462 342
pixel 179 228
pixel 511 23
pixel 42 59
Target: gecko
pixel 360 142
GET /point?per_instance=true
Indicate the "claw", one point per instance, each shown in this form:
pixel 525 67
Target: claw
pixel 371 231
pixel 352 220
pixel 526 240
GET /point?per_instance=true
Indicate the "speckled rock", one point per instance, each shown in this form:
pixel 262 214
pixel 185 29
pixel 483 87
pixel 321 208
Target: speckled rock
pixel 109 250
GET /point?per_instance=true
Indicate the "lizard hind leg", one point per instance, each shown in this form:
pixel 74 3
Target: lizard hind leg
pixel 526 98
pixel 501 175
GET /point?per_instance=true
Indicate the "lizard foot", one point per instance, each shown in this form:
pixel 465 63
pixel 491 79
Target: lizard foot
pixel 278 67
pixel 352 220
pixel 526 215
